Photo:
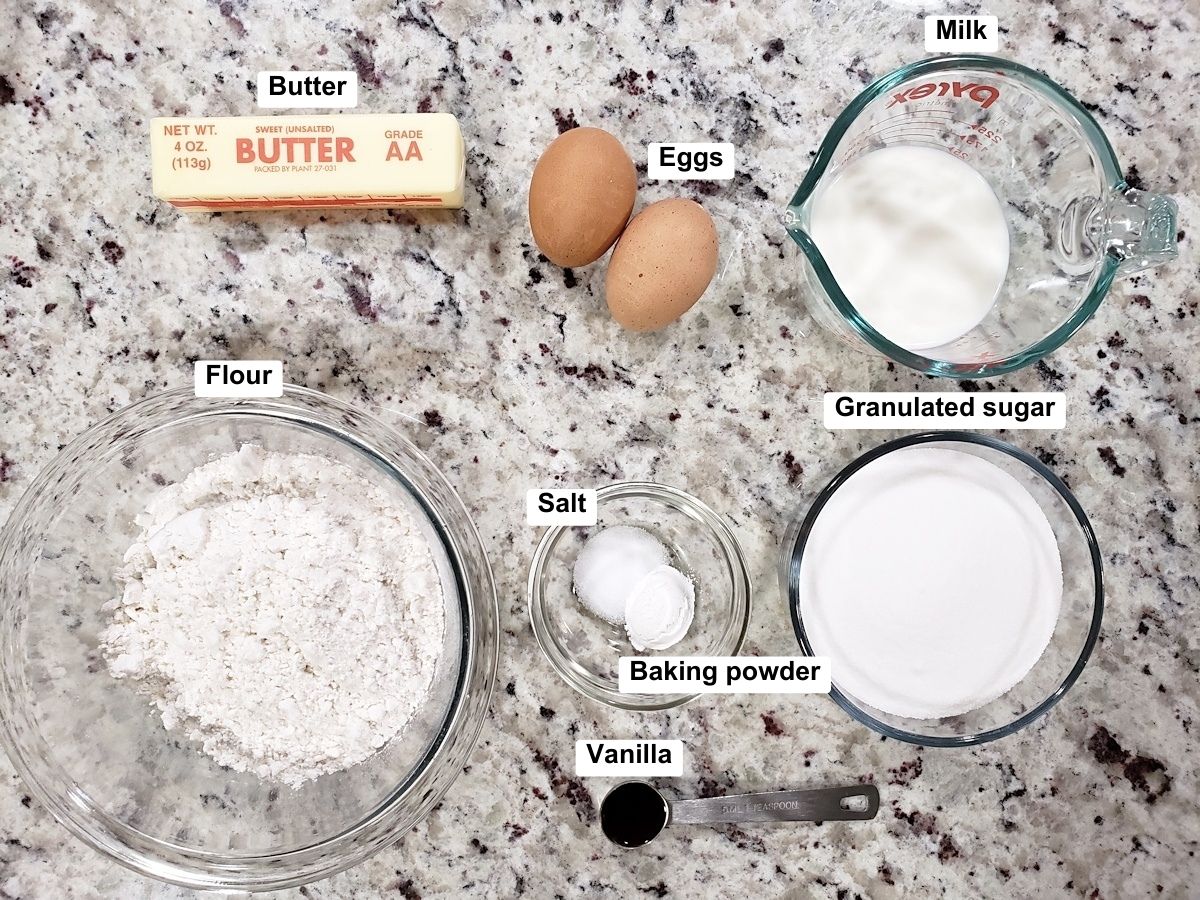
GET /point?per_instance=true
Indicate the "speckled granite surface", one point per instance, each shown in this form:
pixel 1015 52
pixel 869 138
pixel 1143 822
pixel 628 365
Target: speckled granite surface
pixel 515 375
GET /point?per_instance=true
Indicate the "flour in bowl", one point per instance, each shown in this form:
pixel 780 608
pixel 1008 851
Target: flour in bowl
pixel 280 609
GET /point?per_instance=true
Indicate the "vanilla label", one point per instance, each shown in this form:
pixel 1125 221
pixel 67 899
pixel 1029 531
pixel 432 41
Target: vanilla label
pixel 639 759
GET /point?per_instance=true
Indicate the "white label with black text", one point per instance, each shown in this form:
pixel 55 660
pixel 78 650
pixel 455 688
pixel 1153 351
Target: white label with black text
pixel 723 675
pixel 639 759
pixel 920 409
pixel 956 34
pixel 239 378
pixel 560 506
pixel 308 90
pixel 689 162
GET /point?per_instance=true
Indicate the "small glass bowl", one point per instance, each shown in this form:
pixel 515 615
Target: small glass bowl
pixel 1079 617
pixel 582 647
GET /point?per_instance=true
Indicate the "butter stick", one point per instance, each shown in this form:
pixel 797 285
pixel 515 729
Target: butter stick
pixel 291 162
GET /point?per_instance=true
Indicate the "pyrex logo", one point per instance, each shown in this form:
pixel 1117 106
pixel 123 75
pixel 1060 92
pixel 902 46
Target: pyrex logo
pixel 983 94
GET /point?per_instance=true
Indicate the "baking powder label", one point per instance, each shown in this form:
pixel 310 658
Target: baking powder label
pixel 723 675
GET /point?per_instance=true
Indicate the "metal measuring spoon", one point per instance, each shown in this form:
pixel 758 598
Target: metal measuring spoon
pixel 633 813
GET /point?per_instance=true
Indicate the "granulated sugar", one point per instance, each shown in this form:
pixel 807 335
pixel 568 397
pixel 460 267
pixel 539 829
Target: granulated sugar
pixel 932 581
pixel 280 609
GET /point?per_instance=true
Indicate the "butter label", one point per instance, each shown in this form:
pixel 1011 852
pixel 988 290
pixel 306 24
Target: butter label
pixel 262 162
pixel 239 378
pixel 308 90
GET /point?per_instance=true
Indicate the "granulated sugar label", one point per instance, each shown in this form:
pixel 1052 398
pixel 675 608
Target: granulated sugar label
pixel 946 409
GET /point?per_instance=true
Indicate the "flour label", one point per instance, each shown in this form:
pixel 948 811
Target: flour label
pixel 239 378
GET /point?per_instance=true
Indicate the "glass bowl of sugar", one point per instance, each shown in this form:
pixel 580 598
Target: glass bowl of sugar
pixel 584 647
pixel 954 583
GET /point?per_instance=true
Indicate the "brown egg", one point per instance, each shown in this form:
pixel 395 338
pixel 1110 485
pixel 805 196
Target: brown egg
pixel 581 196
pixel 662 264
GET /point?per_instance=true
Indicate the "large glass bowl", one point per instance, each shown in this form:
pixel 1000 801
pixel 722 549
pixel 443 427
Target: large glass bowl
pixel 94 751
pixel 584 649
pixel 1079 618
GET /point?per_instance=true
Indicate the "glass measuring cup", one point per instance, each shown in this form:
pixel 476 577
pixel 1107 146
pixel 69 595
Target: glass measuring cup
pixel 1074 223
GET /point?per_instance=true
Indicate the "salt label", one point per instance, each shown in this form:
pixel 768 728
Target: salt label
pixel 560 506
pixel 641 759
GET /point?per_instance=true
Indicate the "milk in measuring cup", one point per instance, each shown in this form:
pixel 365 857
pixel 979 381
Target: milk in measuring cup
pixel 917 240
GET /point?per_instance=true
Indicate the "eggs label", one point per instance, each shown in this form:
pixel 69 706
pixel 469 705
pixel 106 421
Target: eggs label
pixel 308 90
pixel 239 378
pixel 690 162
pixel 560 506
pixel 623 759
pixel 723 675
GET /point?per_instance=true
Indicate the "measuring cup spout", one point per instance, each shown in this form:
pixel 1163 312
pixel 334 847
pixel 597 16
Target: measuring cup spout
pixel 1136 227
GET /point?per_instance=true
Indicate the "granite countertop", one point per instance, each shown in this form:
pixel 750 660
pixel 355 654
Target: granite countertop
pixel 513 375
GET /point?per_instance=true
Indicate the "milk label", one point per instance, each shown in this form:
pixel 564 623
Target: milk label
pixel 959 34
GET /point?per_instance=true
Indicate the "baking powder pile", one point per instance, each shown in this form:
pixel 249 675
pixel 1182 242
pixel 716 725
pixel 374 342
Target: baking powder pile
pixel 281 610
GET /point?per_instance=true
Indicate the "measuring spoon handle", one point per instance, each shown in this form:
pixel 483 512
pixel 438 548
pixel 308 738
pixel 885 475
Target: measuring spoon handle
pixel 854 802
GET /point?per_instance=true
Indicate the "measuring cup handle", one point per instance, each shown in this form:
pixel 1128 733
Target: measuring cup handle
pixel 1136 227
pixel 855 802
